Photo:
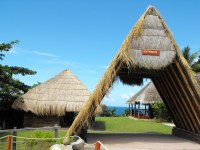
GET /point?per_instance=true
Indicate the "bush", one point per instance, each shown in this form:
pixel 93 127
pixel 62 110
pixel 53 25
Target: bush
pixel 40 140
pixel 161 113
pixel 126 112
pixel 106 112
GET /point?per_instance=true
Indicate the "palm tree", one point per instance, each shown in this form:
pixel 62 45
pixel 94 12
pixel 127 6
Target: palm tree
pixel 192 59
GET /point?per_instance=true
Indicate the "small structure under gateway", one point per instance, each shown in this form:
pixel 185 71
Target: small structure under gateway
pixel 146 96
pixel 55 101
pixel 150 51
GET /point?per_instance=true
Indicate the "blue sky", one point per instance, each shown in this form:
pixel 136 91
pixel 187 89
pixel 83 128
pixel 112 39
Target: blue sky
pixel 84 36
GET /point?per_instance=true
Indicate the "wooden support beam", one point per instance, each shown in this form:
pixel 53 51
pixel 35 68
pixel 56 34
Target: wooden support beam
pixel 131 109
pixel 186 84
pixel 139 110
pixel 175 93
pixel 135 109
pixel 188 77
pixel 193 118
pixel 167 100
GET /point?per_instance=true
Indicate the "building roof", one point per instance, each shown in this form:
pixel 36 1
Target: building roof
pixel 147 95
pixel 60 94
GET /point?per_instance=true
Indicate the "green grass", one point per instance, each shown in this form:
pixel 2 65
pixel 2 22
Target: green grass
pixel 105 125
pixel 124 124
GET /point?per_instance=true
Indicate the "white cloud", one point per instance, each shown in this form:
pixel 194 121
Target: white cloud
pixel 44 54
pixel 109 98
pixel 20 50
pixel 105 67
pixel 12 51
pixel 127 96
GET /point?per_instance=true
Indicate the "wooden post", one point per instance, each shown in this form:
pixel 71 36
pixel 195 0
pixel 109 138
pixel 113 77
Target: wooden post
pixel 145 110
pixel 55 131
pixel 129 109
pixel 138 110
pixel 97 145
pixel 8 147
pixel 14 146
pixel 135 110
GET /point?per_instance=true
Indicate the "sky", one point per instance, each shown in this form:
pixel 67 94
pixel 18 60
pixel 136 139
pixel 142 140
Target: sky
pixel 84 36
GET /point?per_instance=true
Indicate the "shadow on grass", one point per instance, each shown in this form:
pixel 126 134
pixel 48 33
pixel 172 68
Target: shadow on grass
pixel 98 126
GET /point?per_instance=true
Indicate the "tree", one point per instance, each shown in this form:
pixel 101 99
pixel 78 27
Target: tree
pixel 106 112
pixel 10 88
pixel 161 113
pixel 192 58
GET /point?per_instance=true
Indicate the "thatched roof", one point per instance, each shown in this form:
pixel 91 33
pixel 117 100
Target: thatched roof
pixel 198 77
pixel 169 71
pixel 60 94
pixel 147 95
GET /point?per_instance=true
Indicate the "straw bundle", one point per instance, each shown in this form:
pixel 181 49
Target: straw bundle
pixel 62 93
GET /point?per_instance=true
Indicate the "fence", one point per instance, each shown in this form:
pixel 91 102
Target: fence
pixel 15 142
pixel 10 141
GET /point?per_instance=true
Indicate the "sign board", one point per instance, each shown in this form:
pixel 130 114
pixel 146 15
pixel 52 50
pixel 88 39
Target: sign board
pixel 150 52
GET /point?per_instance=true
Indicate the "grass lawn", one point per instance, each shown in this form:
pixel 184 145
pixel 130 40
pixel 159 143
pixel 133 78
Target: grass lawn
pixel 124 124
pixel 105 125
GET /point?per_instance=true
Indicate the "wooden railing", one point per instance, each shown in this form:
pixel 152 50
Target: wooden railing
pixel 11 139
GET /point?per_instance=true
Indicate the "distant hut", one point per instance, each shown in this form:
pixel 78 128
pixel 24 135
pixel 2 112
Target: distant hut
pixel 146 96
pixel 198 77
pixel 55 101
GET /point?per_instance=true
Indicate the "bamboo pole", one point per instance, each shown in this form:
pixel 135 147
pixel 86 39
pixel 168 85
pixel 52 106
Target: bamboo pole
pixel 97 146
pixel 8 147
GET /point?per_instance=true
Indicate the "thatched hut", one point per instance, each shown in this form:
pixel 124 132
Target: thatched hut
pixel 55 101
pixel 150 51
pixel 146 96
pixel 198 77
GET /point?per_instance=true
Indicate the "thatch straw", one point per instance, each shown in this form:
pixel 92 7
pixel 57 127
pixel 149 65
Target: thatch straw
pixel 62 93
pixel 150 32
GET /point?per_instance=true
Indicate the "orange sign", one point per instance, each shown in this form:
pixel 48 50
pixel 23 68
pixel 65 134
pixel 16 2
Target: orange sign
pixel 151 52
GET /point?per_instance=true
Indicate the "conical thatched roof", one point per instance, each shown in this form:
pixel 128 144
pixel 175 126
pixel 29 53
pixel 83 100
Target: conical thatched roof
pixel 150 51
pixel 62 93
pixel 147 95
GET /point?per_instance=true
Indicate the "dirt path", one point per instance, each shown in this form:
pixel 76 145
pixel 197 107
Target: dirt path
pixel 142 141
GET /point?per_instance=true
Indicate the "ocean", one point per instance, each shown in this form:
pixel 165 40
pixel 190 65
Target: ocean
pixel 119 110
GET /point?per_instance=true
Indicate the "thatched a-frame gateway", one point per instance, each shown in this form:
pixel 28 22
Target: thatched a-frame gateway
pixel 60 94
pixel 150 51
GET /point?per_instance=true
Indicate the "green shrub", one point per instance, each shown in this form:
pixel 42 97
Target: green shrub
pixel 106 112
pixel 40 140
pixel 161 113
